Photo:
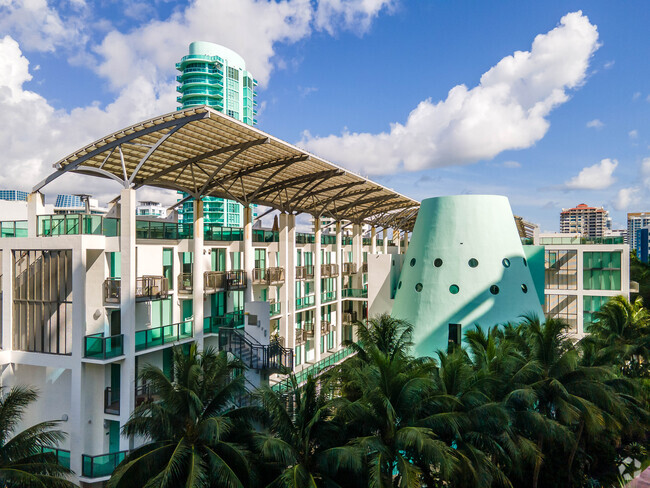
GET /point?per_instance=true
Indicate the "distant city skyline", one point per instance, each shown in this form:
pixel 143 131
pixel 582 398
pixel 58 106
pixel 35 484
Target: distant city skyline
pixel 428 98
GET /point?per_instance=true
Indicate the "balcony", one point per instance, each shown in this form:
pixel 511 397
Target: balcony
pixel 326 327
pixel 308 328
pixel 214 281
pixel 160 336
pixel 102 465
pixel 268 276
pixel 112 401
pixel 349 269
pixel 355 293
pixel 96 346
pixel 146 288
pixel 329 270
pixel 305 272
pixel 364 268
pixel 301 336
pixel 236 280
pixel 349 317
pixel 306 301
pixel 275 308
pixel 62 456
pixel 211 325
pixel 185 283
pixel 328 296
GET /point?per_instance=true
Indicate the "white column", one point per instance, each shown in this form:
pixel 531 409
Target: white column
pixel 339 285
pixel 396 240
pixel 198 267
pixel 249 253
pixel 357 250
pixel 317 287
pixel 385 243
pixel 78 409
pixel 35 207
pixel 373 240
pixel 7 298
pixel 127 307
pixel 406 241
pixel 287 247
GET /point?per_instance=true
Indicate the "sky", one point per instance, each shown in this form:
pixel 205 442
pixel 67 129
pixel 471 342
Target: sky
pixel 547 102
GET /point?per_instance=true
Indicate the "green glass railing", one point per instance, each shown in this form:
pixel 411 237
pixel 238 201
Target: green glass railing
pixel 306 301
pixel 147 229
pixel 211 325
pixel 13 228
pixel 328 296
pixel 313 370
pixel 304 238
pixel 165 334
pixel 355 293
pixel 96 346
pixel 214 232
pixel 102 465
pixel 75 224
pixel 275 309
pixel 328 239
pixel 62 456
pixel 265 236
pixel 366 241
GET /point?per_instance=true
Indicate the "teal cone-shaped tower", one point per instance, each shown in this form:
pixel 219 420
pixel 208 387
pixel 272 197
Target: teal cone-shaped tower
pixel 465 265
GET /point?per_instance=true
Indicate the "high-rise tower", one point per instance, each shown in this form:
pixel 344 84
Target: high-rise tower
pixel 216 76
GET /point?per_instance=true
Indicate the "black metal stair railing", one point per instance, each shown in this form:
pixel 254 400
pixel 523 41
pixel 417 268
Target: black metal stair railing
pixel 253 354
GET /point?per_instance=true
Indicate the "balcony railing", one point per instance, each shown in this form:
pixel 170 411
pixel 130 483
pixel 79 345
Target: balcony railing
pixel 102 465
pixel 259 276
pixel 236 280
pixel 185 283
pixel 326 327
pixel 355 293
pixel 13 228
pixel 112 401
pixel 166 334
pixel 62 456
pixel 308 327
pixel 96 346
pixel 275 308
pixel 146 288
pixel 214 281
pixel 328 296
pixel 275 275
pixel 349 269
pixel 306 301
pixel 211 325
pixel 73 224
pixel 313 370
pixel 329 270
pixel 301 336
pixel 305 272
pixel 143 394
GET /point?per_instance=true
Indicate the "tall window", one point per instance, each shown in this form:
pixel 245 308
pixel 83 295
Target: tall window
pixel 563 307
pixel 42 309
pixel 561 270
pixel 168 266
pixel 602 270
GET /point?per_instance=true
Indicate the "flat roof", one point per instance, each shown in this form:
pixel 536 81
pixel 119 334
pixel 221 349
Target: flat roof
pixel 203 152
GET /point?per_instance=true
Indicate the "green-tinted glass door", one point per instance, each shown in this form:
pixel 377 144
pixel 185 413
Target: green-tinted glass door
pixel 113 436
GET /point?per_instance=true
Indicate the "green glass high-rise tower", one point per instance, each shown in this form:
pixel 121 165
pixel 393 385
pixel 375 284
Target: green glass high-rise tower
pixel 216 76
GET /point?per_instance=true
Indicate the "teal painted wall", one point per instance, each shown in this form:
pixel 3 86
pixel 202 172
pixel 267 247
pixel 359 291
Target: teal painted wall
pixel 450 232
pixel 536 263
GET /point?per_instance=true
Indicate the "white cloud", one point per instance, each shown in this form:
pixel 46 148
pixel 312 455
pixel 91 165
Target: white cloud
pixel 609 64
pixel 507 110
pixel 595 124
pixel 39 26
pixel 596 177
pixel 636 95
pixel 625 198
pixel 633 134
pixel 645 172
pixel 356 15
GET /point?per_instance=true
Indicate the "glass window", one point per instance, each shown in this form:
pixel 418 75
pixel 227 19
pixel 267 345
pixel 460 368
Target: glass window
pixel 563 307
pixel 602 270
pixel 561 270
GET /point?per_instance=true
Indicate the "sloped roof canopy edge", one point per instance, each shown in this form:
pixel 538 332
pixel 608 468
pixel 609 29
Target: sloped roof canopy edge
pixel 206 153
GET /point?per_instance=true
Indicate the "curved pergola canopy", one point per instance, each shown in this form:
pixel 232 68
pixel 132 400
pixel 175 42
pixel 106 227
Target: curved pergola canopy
pixel 205 153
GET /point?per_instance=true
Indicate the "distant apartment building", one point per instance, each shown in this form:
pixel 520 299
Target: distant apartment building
pixel 636 221
pixel 70 204
pixel 581 275
pixel 585 220
pixel 151 209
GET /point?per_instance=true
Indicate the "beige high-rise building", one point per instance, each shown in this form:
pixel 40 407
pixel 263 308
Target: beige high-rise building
pixel 585 220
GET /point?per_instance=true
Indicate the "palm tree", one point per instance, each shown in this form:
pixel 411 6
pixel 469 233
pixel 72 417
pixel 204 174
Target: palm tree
pixel 22 460
pixel 303 442
pixel 385 392
pixel 190 427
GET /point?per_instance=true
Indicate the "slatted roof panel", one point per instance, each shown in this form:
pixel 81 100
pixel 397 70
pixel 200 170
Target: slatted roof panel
pixel 204 152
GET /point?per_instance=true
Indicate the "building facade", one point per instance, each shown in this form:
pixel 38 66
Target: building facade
pixel 151 209
pixel 216 76
pixel 65 204
pixel 636 221
pixel 585 220
pixel 581 275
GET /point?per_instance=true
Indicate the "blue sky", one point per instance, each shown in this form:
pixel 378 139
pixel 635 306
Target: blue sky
pixel 365 83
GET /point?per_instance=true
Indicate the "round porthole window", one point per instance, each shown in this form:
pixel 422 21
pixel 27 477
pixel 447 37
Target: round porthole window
pixel 418 287
pixel 453 289
pixel 473 263
pixel 506 262
pixel 412 262
pixel 494 289
pixel 399 285
pixel 524 288
pixel 437 262
pixel 525 262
